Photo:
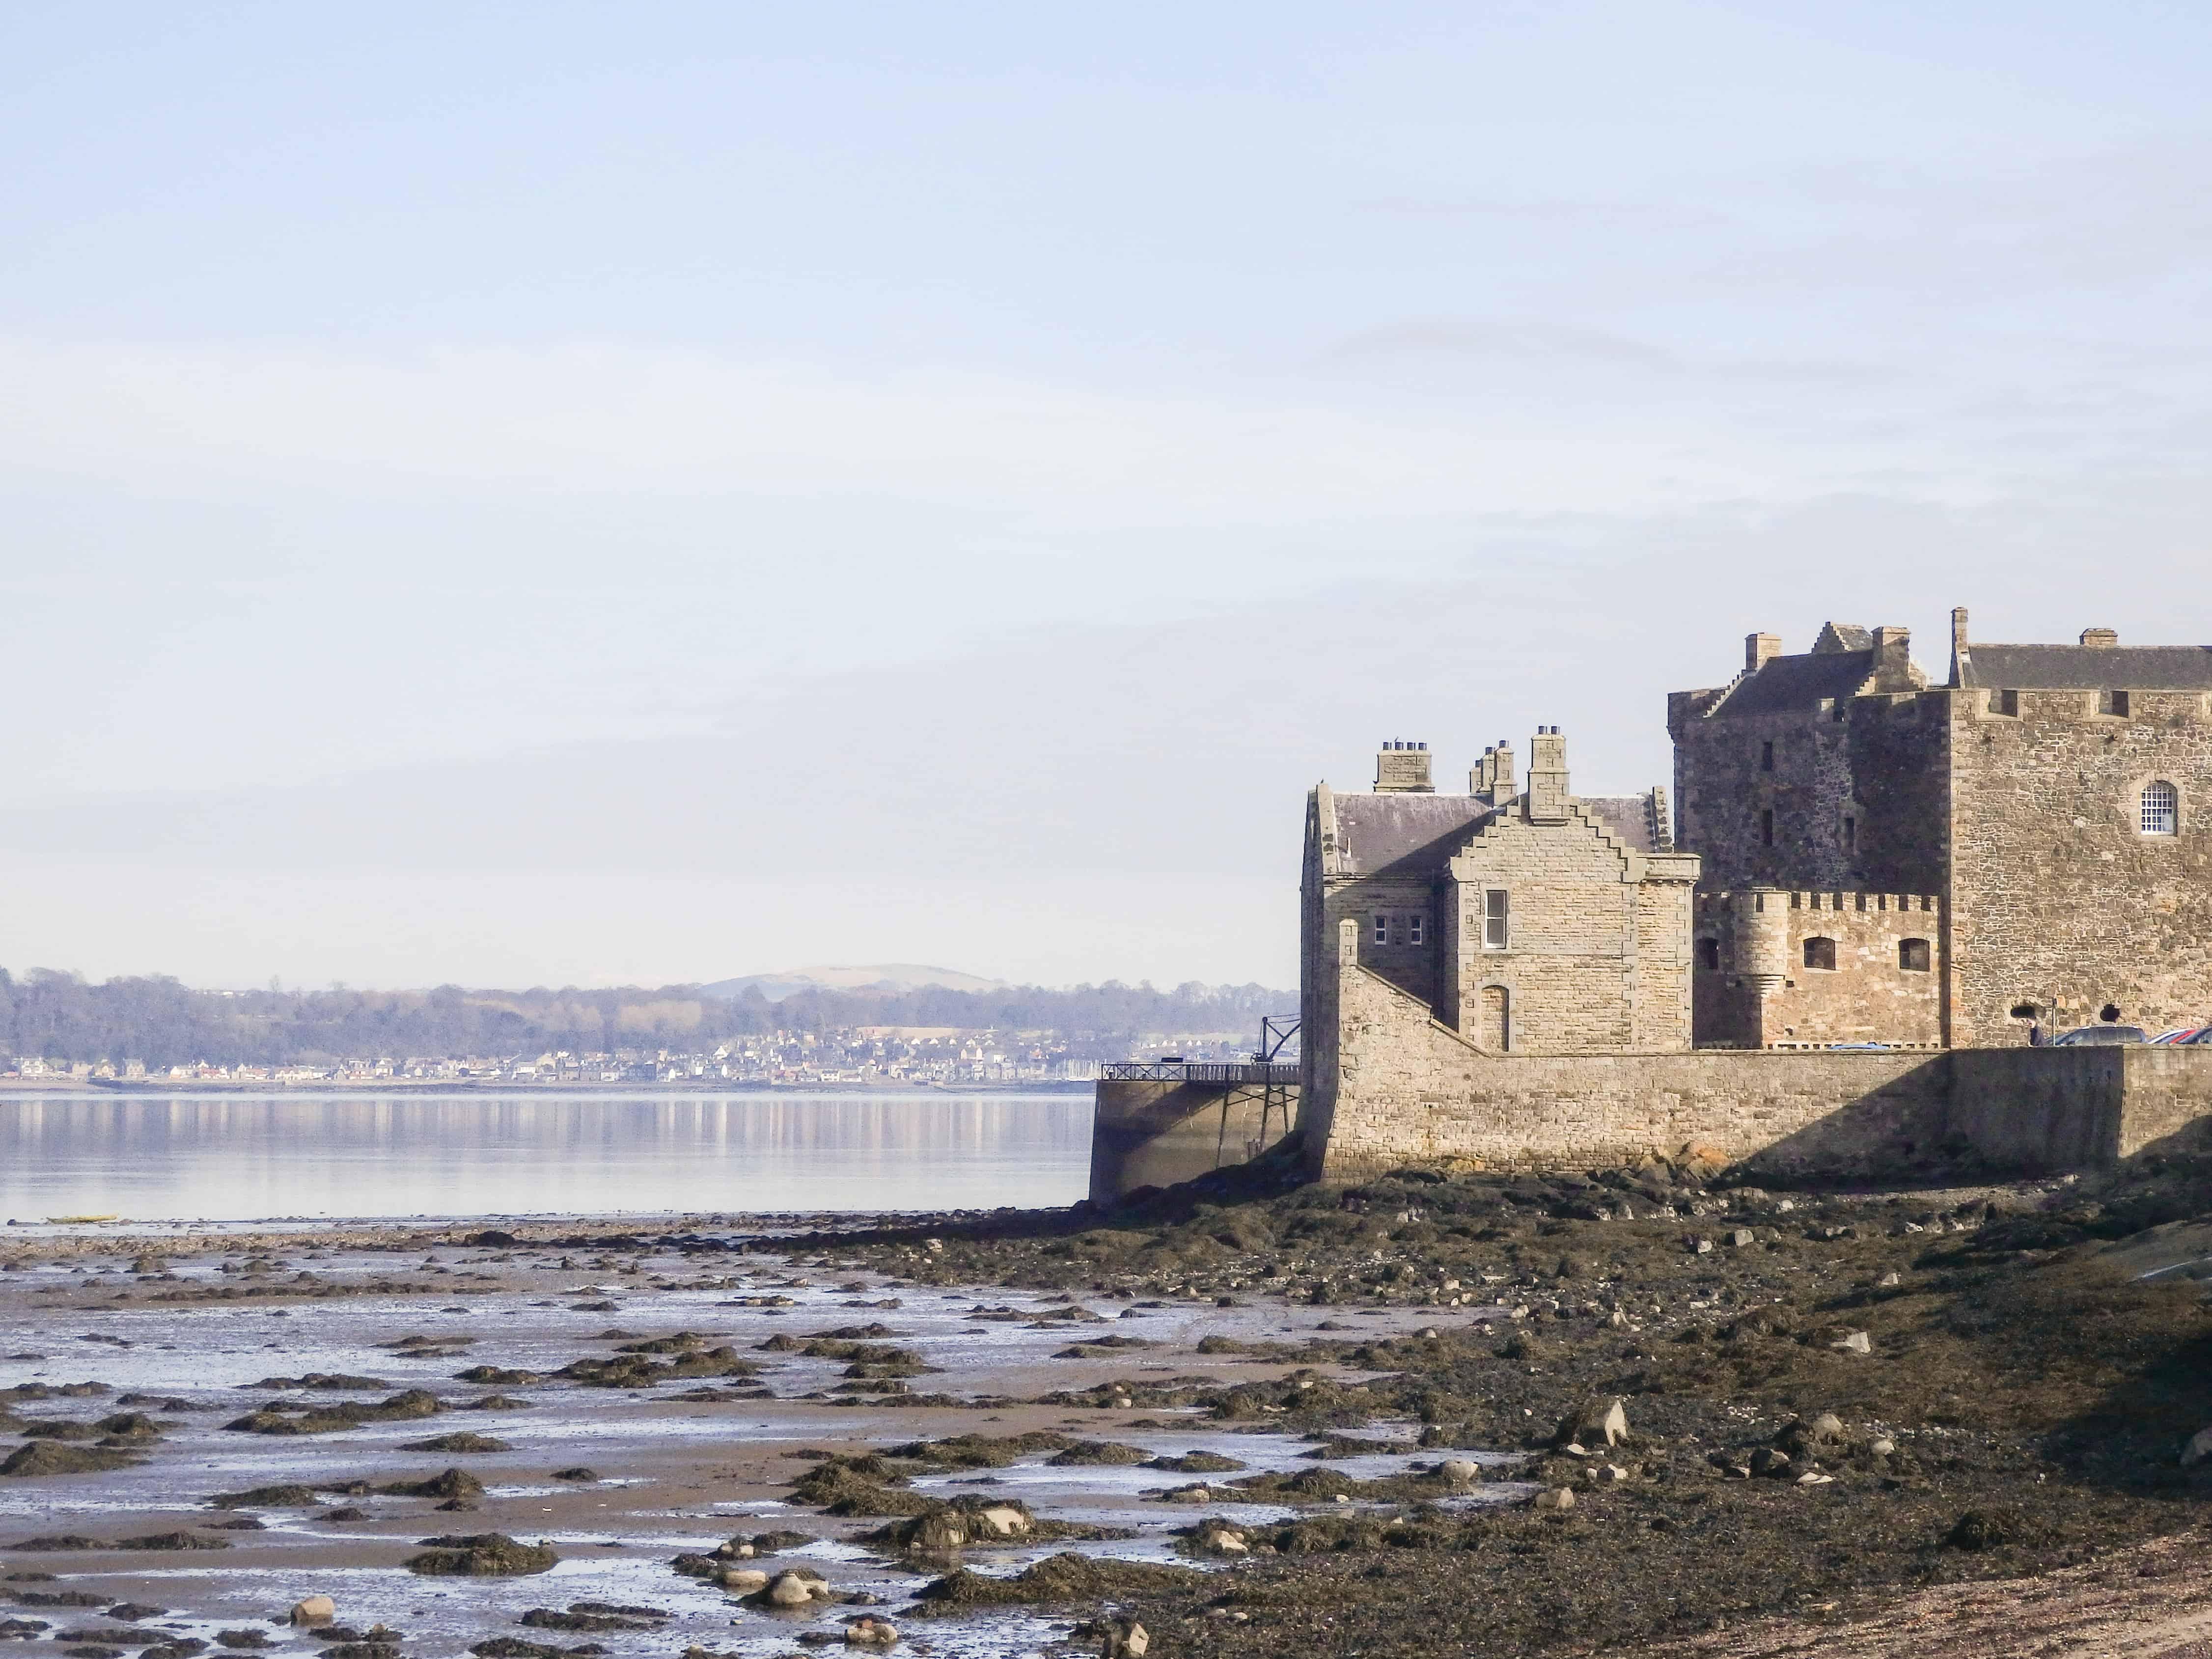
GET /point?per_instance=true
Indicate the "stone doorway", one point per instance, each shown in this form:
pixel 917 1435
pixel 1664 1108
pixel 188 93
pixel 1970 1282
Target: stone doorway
pixel 1496 1033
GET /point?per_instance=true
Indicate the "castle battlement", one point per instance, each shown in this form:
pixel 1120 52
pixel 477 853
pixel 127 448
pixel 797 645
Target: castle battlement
pixel 1821 899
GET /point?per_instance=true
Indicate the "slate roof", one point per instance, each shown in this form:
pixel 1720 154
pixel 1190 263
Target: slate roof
pixel 1407 835
pixel 1413 835
pixel 2089 667
pixel 1786 683
pixel 1629 817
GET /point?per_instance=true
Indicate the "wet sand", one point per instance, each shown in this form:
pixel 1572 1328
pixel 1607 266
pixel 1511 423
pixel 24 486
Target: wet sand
pixel 1866 1423
pixel 224 1324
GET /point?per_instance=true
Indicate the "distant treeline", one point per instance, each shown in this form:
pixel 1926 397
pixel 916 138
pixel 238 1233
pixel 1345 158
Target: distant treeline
pixel 62 1016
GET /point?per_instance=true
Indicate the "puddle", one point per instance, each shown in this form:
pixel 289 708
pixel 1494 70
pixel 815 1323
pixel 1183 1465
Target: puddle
pixel 682 1476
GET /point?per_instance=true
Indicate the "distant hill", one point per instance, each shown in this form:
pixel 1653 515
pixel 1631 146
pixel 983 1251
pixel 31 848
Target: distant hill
pixel 878 976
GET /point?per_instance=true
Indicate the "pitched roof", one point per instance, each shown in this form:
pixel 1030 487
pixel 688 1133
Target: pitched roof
pixel 1410 834
pixel 2089 667
pixel 1783 682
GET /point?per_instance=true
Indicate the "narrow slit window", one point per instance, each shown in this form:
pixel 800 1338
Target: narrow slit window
pixel 1912 956
pixel 2161 809
pixel 1766 826
pixel 1766 758
pixel 1709 955
pixel 1851 835
pixel 1821 953
pixel 1496 919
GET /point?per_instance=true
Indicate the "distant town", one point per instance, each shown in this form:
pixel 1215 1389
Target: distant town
pixel 860 1057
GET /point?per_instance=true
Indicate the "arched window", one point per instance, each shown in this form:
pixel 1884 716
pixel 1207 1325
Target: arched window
pixel 2161 809
pixel 1821 953
pixel 1912 955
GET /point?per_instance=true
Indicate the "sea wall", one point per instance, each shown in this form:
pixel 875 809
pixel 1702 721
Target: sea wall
pixel 1156 1132
pixel 1407 1089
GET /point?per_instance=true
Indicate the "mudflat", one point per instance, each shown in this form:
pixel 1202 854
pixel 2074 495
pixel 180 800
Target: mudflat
pixel 1436 1411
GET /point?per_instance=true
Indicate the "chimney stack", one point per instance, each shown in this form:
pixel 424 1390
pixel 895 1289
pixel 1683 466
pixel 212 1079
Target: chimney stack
pixel 2103 638
pixel 1402 768
pixel 1547 796
pixel 1757 648
pixel 1893 646
pixel 1958 644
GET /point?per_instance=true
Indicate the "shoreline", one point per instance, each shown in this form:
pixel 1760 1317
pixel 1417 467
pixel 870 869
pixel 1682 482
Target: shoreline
pixel 93 1088
pixel 1337 1345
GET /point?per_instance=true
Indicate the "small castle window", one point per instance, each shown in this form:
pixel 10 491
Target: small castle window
pixel 2004 702
pixel 1821 953
pixel 1766 758
pixel 1766 826
pixel 1912 956
pixel 1851 835
pixel 1497 920
pixel 1414 931
pixel 1381 929
pixel 2161 809
pixel 1709 955
pixel 2113 702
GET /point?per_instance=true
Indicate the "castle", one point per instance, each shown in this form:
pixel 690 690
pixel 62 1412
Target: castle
pixel 1862 870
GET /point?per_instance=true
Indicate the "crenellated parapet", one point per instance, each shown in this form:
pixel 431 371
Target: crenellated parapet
pixel 1778 967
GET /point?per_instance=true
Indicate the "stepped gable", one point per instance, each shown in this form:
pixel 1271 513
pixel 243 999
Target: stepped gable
pixel 1627 818
pixel 1403 835
pixel 2088 667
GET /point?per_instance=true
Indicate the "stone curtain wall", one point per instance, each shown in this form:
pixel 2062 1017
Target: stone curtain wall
pixel 2056 892
pixel 1407 1090
pixel 1867 997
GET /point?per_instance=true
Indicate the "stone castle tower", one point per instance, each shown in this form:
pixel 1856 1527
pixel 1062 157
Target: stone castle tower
pixel 1888 859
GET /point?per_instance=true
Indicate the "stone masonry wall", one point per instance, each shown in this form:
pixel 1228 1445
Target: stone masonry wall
pixel 1408 1090
pixel 1869 996
pixel 1877 761
pixel 1588 962
pixel 2056 895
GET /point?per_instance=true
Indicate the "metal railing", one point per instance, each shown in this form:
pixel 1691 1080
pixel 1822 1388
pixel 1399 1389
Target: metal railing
pixel 1176 1071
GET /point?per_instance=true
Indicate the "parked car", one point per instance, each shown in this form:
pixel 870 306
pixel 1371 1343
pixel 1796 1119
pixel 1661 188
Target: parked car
pixel 2204 1036
pixel 2177 1035
pixel 2099 1037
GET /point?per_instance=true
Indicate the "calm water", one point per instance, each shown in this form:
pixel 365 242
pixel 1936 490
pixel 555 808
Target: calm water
pixel 253 1156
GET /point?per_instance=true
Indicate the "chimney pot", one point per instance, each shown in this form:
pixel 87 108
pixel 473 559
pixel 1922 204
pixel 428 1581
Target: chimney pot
pixel 2103 638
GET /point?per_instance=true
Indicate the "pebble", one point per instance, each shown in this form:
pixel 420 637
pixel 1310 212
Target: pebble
pixel 314 1610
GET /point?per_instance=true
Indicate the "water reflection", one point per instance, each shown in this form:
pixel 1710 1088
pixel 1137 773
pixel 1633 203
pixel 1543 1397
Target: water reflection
pixel 249 1156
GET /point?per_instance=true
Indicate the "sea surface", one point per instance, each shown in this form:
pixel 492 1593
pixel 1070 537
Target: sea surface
pixel 239 1157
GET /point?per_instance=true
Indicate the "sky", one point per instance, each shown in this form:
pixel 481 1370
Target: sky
pixel 580 494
